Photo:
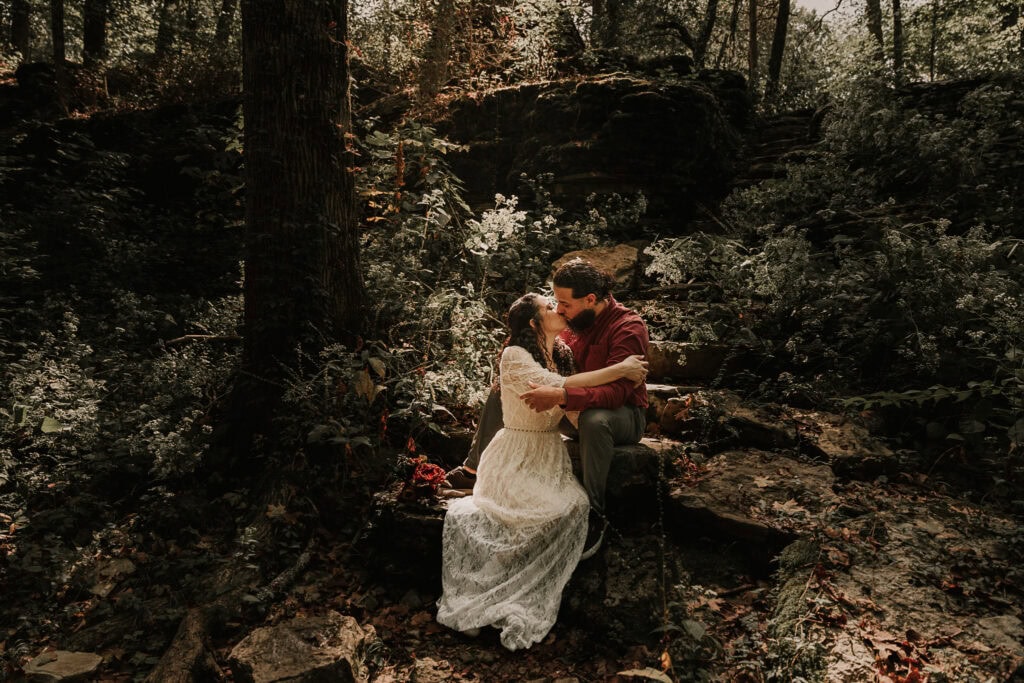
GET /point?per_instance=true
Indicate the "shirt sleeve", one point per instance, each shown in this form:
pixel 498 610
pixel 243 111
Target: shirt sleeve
pixel 627 339
pixel 519 368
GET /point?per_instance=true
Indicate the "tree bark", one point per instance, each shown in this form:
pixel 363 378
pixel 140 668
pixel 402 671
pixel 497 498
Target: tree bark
pixel 704 37
pixel 778 48
pixel 303 283
pixel 167 31
pixel 606 23
pixel 730 39
pixel 21 28
pixel 752 48
pixel 897 40
pixel 873 11
pixel 438 52
pixel 57 33
pixel 225 20
pixel 60 72
pixel 94 31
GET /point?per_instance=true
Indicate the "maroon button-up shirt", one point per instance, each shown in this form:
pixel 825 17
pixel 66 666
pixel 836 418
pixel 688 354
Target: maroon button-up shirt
pixel 616 333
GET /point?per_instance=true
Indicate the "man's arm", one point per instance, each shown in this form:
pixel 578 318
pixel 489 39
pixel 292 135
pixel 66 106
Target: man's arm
pixel 632 369
pixel 623 340
pixel 626 339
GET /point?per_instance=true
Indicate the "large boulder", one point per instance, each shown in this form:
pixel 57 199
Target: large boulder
pixel 676 142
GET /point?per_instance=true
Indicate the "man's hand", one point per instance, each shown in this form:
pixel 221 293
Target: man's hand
pixel 542 398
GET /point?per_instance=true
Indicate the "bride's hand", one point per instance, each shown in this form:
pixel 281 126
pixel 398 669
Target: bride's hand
pixel 634 368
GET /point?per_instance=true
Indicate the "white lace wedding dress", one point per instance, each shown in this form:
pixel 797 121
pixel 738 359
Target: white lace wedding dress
pixel 510 548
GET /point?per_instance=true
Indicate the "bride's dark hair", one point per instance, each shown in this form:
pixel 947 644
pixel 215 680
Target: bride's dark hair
pixel 527 308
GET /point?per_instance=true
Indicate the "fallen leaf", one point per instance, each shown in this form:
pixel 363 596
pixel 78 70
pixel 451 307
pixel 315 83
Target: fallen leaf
pixel 761 482
pixel 648 673
pixel 790 507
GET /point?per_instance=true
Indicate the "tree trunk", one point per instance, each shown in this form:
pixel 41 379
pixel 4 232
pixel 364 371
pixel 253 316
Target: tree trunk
pixel 94 31
pixel 438 52
pixel 606 23
pixel 730 39
pixel 167 31
pixel 752 45
pixel 302 276
pixel 57 32
pixel 60 75
pixel 21 28
pixel 704 37
pixel 225 20
pixel 191 22
pixel 933 41
pixel 897 40
pixel 778 48
pixel 873 10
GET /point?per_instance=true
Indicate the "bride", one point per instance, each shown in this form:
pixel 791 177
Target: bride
pixel 510 548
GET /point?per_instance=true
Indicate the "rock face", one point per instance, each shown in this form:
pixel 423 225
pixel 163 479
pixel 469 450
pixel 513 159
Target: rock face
pixel 675 142
pixel 304 650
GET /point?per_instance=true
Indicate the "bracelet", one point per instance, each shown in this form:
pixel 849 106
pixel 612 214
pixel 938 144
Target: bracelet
pixel 565 396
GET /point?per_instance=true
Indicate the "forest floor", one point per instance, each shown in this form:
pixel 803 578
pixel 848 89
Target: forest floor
pixel 909 574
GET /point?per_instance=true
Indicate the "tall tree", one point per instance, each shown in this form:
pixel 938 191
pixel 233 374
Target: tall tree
pixel 897 40
pixel 752 49
pixel 57 34
pixel 704 37
pixel 21 28
pixel 302 274
pixel 778 48
pixel 730 38
pixel 873 13
pixel 605 23
pixel 167 29
pixel 225 19
pixel 94 31
pixel 437 55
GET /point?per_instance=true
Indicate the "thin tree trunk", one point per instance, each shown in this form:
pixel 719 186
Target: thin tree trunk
pixel 59 52
pixel 933 41
pixel 167 31
pixel 778 48
pixel 873 10
pixel 438 52
pixel 599 24
pixel 94 31
pixel 897 40
pixel 752 45
pixel 704 37
pixel 225 20
pixel 21 28
pixel 57 33
pixel 730 39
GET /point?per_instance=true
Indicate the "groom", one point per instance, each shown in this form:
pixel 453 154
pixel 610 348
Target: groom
pixel 601 332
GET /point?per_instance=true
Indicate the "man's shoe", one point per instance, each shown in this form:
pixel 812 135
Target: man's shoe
pixel 460 479
pixel 595 537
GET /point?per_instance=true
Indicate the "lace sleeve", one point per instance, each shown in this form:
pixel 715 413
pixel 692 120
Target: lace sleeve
pixel 519 368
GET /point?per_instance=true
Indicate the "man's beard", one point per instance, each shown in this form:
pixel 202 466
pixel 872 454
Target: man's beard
pixel 583 320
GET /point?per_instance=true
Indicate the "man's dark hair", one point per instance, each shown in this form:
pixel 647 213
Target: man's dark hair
pixel 583 278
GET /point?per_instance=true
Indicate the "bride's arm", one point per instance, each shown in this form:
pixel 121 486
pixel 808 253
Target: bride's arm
pixel 633 368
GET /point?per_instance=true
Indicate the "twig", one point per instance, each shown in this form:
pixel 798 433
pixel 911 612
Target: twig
pixel 203 337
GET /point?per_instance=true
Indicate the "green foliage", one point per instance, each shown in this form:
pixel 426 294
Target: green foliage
pixel 442 278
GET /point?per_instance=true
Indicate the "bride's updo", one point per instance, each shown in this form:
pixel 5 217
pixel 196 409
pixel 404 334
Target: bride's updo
pixel 527 308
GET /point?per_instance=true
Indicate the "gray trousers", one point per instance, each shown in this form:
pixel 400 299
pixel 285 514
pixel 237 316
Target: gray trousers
pixel 600 431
